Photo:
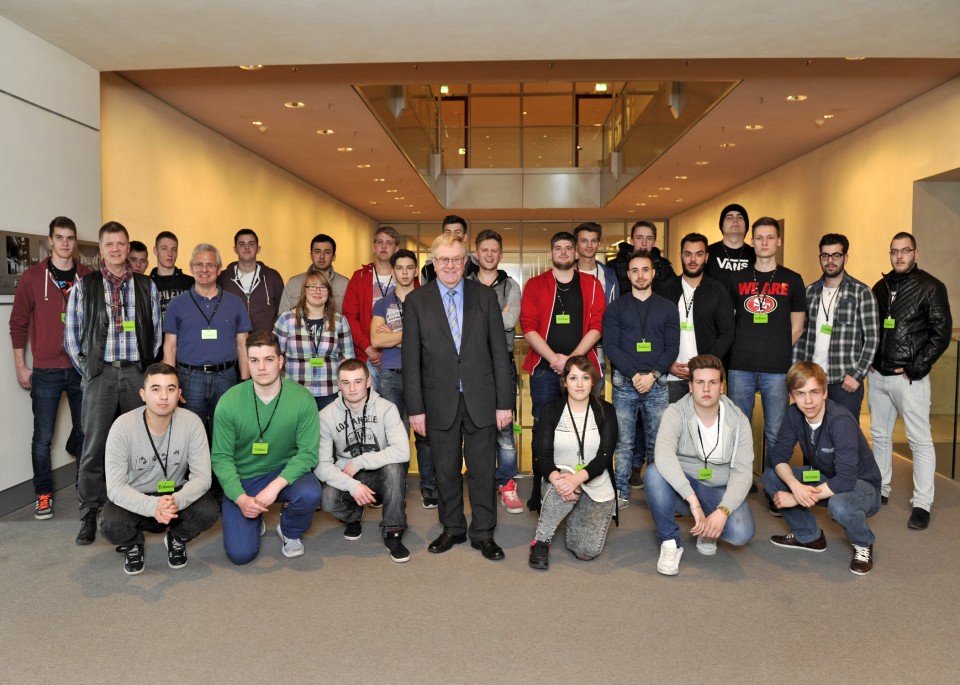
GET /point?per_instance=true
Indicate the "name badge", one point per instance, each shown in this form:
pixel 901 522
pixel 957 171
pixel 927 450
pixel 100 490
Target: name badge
pixel 517 428
pixel 129 326
pixel 563 318
pixel 316 362
pixel 165 486
pixel 811 476
pixel 580 467
pixel 686 325
pixel 208 334
pixel 644 347
pixel 760 318
pixel 705 474
pixel 63 317
pixel 826 328
pixel 260 447
pixel 888 323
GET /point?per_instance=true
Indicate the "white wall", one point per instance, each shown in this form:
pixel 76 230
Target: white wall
pixel 50 152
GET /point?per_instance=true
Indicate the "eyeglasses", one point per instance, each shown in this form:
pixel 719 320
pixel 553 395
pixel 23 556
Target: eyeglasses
pixel 207 266
pixel 447 261
pixel 906 252
pixel 315 288
pixel 827 256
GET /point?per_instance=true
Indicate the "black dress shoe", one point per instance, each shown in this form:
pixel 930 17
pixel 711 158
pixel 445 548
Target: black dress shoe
pixel 88 528
pixel 919 519
pixel 489 549
pixel 445 542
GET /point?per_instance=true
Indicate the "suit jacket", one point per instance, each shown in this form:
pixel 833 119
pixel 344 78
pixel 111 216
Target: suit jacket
pixel 713 323
pixel 432 368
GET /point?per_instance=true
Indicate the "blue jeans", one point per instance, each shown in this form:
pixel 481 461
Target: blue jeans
pixel 628 402
pixel 241 536
pixel 389 481
pixel 850 509
pixel 48 386
pixel 665 503
pixel 544 388
pixel 742 387
pixel 374 376
pixel 506 447
pixel 202 390
pixel 391 388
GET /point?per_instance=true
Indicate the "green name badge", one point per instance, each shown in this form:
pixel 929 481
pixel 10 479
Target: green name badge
pixel 686 325
pixel 760 318
pixel 63 317
pixel 165 486
pixel 261 447
pixel 826 328
pixel 517 428
pixel 644 347
pixel 580 467
pixel 563 318
pixel 208 334
pixel 129 326
pixel 811 476
pixel 316 362
pixel 888 323
pixel 705 474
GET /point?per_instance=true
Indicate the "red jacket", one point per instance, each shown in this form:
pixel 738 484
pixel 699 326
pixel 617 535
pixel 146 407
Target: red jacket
pixel 536 309
pixel 37 306
pixel 358 308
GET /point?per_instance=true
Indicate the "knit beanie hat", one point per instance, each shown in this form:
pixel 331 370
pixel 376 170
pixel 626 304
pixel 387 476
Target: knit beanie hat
pixel 735 208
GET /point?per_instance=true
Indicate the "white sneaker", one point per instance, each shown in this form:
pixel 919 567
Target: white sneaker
pixel 622 502
pixel 263 527
pixel 706 546
pixel 669 562
pixel 291 547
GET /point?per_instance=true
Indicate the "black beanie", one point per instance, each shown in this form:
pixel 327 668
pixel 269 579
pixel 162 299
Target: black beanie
pixel 737 208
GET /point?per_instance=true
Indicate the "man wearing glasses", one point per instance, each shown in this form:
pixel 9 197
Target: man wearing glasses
pixel 914 332
pixel 842 326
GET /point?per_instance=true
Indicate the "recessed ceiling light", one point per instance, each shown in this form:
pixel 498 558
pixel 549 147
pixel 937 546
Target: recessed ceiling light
pixel 325 131
pixel 828 116
pixel 753 127
pixel 251 67
pixel 679 199
pixel 444 90
pixel 664 188
pixel 391 190
pixel 416 211
pixel 257 123
pixel 363 166
pixel 702 162
pixel 408 206
pixel 728 144
pixel 379 180
pixel 344 149
pixel 680 178
pixel 854 59
pixel 631 211
pixel 653 196
pixel 796 98
pixel 641 204
pixel 294 104
pixel 600 88
pixel 373 202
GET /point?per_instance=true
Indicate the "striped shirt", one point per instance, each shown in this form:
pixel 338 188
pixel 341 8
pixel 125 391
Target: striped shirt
pixel 299 346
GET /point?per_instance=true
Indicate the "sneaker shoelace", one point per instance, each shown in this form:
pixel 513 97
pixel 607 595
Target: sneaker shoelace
pixel 133 551
pixel 176 545
pixel 511 496
pixel 43 502
pixel 861 553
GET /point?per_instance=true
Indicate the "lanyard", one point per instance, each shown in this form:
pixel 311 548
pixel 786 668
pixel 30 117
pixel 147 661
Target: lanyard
pixel 399 303
pixel 57 283
pixel 581 439
pixel 156 452
pixel 383 291
pixel 706 455
pixel 348 415
pixel 760 294
pixel 200 309
pixel 815 441
pixel 563 305
pixel 686 306
pixel 642 316
pixel 828 307
pixel 316 336
pixel 726 253
pixel 254 282
pixel 263 429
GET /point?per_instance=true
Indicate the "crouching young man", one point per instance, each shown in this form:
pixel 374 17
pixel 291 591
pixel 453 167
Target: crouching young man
pixel 364 452
pixel 703 467
pixel 157 467
pixel 838 470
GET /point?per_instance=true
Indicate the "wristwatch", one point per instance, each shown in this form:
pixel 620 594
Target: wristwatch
pixel 726 512
pixel 656 374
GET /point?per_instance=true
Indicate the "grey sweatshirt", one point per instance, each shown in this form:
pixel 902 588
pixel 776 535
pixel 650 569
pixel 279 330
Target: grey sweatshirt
pixel 379 441
pixel 677 455
pixel 132 469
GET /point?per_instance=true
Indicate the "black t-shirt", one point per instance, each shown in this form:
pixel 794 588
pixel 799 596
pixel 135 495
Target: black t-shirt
pixel 64 279
pixel 170 286
pixel 765 347
pixel 725 262
pixel 563 338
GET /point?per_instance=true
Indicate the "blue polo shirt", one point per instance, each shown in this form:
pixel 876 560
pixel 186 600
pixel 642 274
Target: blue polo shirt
pixel 187 317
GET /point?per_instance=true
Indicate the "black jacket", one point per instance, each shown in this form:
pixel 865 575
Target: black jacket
pixel 917 303
pixel 713 324
pixel 621 264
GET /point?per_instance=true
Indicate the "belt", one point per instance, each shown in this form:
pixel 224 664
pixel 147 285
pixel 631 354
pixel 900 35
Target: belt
pixel 122 364
pixel 208 368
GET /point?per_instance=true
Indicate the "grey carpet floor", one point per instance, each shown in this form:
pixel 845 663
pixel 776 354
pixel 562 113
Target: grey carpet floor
pixel 345 612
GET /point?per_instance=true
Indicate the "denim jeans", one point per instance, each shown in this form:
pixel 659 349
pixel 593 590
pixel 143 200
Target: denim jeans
pixel 389 481
pixel 123 527
pixel 391 388
pixel 48 387
pixel 850 509
pixel 202 390
pixel 587 524
pixel 853 401
pixel 374 376
pixel 544 388
pixel 890 395
pixel 742 387
pixel 628 402
pixel 241 536
pixel 665 503
pixel 506 446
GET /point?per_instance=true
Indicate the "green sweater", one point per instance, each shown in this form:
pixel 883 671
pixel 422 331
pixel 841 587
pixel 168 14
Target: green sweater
pixel 293 435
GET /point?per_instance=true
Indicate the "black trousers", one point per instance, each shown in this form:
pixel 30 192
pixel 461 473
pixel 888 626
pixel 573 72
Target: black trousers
pixel 464 441
pixel 123 527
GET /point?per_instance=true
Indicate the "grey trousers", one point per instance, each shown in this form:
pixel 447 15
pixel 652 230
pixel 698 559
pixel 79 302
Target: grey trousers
pixel 587 524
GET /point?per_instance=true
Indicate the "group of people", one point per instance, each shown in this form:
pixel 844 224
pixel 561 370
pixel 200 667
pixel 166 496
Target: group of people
pixel 356 363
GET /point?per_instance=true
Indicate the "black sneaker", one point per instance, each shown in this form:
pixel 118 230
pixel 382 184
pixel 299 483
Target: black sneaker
pixel 790 542
pixel 884 499
pixel 176 550
pixel 88 528
pixel 133 558
pixel 919 519
pixel 636 479
pixel 398 552
pixel 377 501
pixel 353 530
pixel 540 555
pixel 429 497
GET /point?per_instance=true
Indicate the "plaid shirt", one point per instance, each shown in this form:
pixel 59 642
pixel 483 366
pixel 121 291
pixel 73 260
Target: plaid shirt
pixel 120 345
pixel 856 330
pixel 298 346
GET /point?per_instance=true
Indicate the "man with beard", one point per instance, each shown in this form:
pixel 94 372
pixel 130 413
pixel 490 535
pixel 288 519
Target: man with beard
pixel 842 327
pixel 731 255
pixel 641 333
pixel 643 235
pixel 706 313
pixel 916 327
pixel 561 315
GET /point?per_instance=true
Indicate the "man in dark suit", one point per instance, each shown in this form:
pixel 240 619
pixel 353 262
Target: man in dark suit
pixel 456 382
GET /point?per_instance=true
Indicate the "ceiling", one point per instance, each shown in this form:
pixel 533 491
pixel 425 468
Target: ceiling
pixel 185 53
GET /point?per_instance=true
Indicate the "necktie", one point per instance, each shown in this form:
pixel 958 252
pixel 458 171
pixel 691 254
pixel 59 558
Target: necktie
pixel 452 317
